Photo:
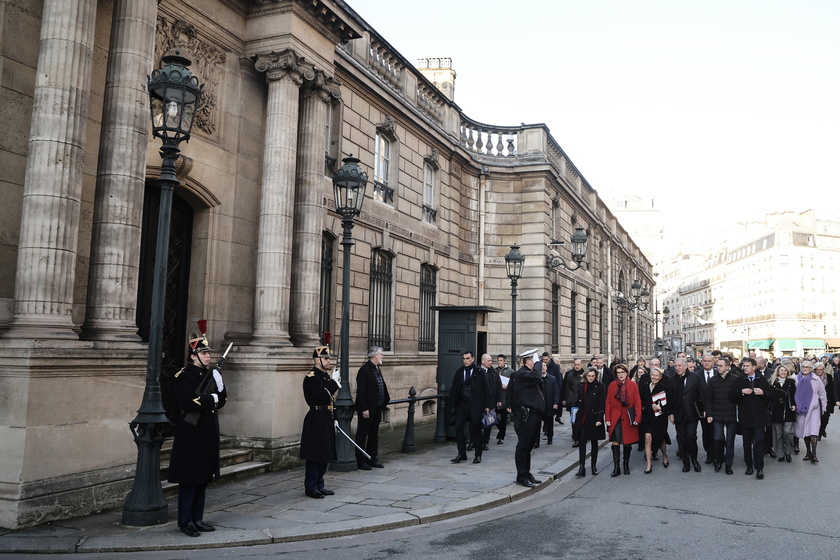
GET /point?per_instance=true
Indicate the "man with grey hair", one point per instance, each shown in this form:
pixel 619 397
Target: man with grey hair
pixel 371 399
pixel 685 412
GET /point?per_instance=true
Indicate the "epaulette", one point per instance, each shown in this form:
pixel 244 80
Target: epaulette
pixel 310 374
pixel 180 371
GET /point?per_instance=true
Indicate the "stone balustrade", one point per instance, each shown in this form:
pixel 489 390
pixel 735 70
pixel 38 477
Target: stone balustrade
pixel 488 140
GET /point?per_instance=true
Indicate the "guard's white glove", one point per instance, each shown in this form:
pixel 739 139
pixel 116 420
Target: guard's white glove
pixel 218 377
pixel 335 422
pixel 215 398
pixel 336 376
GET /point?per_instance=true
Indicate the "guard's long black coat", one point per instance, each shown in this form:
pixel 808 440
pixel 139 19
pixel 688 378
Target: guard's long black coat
pixel 195 451
pixel 317 440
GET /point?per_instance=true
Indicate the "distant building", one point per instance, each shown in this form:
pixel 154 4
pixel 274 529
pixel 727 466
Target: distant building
pixel 770 291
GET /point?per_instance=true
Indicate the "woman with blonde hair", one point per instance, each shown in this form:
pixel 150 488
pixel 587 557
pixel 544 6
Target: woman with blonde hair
pixel 783 402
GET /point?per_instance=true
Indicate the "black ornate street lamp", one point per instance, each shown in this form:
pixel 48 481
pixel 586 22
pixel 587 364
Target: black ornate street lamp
pixel 349 184
pixel 639 297
pixel 514 261
pixel 578 240
pixel 174 94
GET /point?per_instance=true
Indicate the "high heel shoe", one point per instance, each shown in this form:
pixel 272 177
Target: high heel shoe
pixel 648 470
pixel 665 464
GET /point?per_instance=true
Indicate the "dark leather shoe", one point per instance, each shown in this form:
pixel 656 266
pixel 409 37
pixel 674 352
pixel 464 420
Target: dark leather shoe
pixel 718 466
pixel 560 422
pixel 686 468
pixel 749 471
pixel 696 465
pixel 190 530
pixel 550 441
pixel 477 460
pixel 459 459
pixel 772 454
pixel 470 447
pixel 576 444
pixel 729 470
pixel 709 460
pixel 326 492
pixel 376 464
pixel 314 494
pixel 523 481
pixel 204 527
pixel 499 441
pixel 759 474
pixel 531 478
pixel 363 466
pixel 537 445
pixel 788 458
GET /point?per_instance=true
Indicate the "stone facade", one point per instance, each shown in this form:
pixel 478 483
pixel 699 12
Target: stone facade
pixel 284 81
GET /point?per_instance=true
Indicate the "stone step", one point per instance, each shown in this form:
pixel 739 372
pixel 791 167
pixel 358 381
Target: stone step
pixel 229 473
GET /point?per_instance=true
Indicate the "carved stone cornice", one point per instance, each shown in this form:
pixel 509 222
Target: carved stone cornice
pixel 315 12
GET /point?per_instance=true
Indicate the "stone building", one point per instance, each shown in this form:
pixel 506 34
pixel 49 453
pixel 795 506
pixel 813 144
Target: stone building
pixel 291 88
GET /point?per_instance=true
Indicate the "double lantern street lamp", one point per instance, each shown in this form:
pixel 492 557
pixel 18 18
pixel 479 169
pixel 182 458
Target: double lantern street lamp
pixel 174 94
pixel 639 298
pixel 578 240
pixel 349 184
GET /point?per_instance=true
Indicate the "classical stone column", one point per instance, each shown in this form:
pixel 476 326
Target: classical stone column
pixel 46 260
pixel 309 188
pixel 120 184
pixel 285 72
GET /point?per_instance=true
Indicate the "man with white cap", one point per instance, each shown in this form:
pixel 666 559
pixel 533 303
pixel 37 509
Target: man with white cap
pixel 526 404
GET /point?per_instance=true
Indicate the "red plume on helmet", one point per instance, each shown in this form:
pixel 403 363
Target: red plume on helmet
pixel 198 342
pixel 202 326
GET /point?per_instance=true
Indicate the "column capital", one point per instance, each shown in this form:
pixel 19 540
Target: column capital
pixel 325 87
pixel 278 65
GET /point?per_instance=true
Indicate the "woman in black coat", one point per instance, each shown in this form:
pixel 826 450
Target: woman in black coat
pixel 589 418
pixel 655 395
pixel 783 401
pixel 828 382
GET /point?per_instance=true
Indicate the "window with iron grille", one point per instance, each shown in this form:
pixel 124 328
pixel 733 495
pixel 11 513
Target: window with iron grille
pixel 324 312
pixel 381 169
pixel 428 294
pixel 555 318
pixel 380 307
pixel 574 322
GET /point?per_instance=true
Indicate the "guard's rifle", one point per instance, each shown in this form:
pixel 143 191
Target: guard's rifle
pixel 206 386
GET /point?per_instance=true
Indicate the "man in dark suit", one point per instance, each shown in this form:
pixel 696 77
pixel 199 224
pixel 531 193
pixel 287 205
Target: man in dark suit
pixel 685 413
pixel 371 399
pixel 706 371
pixel 752 394
pixel 471 398
pixel 764 370
pixel 605 374
pixel 551 367
pixel 552 403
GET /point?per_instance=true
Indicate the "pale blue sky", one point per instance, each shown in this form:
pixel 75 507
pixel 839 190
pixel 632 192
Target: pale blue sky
pixel 698 104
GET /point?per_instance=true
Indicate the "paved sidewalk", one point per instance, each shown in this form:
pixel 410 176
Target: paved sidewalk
pixel 270 508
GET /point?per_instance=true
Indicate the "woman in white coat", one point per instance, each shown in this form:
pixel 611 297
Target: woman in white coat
pixel 810 404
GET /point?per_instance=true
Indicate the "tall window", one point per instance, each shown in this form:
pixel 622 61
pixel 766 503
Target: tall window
pixel 324 312
pixel 428 291
pixel 602 320
pixel 379 308
pixel 574 322
pixel 555 318
pixel 381 169
pixel 429 187
pixel 588 325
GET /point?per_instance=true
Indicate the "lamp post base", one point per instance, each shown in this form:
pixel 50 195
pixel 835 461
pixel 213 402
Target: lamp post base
pixel 145 505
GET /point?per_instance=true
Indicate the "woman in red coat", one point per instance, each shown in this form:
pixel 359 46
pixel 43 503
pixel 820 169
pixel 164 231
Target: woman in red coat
pixel 623 414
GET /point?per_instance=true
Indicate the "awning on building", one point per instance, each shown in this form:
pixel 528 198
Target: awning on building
pixel 763 344
pixel 812 343
pixel 832 342
pixel 786 344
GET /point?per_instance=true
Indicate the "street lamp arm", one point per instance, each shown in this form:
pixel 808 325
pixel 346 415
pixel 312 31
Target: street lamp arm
pixel 555 261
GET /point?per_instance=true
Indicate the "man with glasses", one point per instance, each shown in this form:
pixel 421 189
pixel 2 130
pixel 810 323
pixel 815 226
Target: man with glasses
pixel 752 394
pixel 471 398
pixel 721 413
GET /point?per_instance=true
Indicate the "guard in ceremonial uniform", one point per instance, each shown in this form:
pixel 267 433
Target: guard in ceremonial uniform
pixel 200 392
pixel 317 440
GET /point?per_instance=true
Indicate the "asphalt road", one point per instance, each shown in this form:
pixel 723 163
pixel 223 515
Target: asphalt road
pixel 791 514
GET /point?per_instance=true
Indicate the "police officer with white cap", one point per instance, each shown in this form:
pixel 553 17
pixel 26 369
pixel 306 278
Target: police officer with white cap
pixel 526 404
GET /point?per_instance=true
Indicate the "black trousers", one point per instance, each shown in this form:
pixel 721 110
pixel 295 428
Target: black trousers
pixel 367 434
pixel 313 478
pixel 502 426
pixel 548 423
pixel 528 432
pixel 463 417
pixel 687 440
pixel 753 447
pixel 708 438
pixel 191 503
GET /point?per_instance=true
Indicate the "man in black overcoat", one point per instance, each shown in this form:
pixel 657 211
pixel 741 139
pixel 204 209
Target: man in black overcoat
pixel 194 462
pixel 317 439
pixel 752 393
pixel 371 399
pixel 526 404
pixel 471 398
pixel 685 412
